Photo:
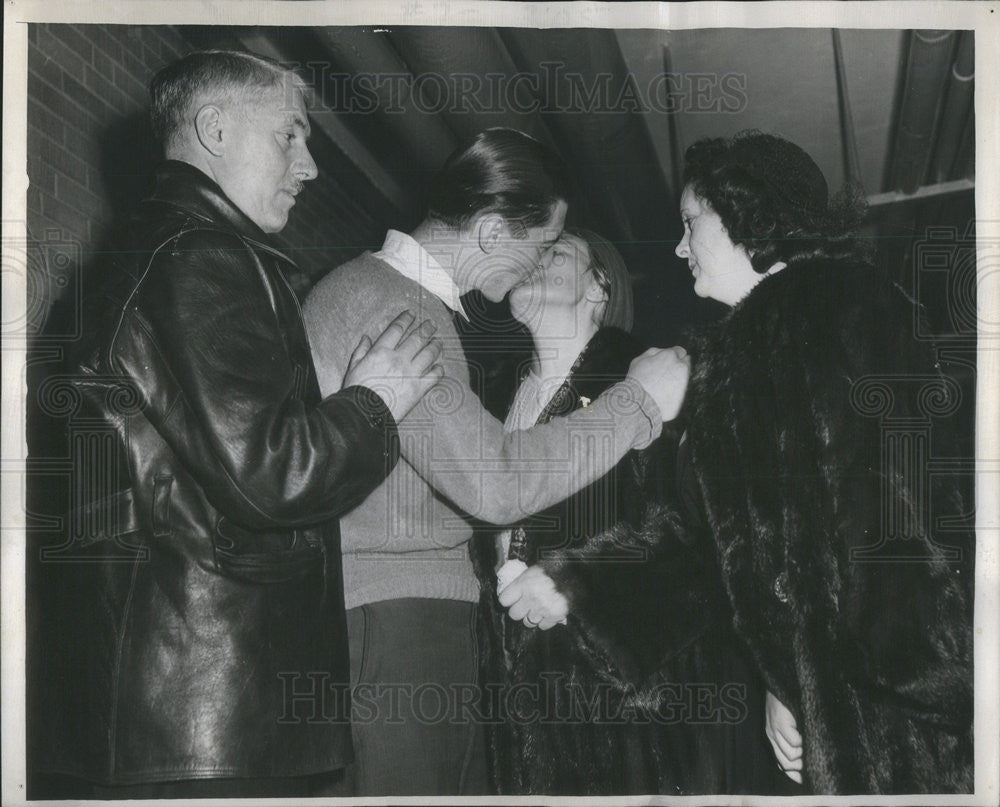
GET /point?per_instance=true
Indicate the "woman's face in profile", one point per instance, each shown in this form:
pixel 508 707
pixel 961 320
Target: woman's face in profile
pixel 721 269
pixel 561 281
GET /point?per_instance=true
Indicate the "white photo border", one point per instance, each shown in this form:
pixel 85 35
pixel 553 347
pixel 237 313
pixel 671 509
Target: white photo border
pixel 982 17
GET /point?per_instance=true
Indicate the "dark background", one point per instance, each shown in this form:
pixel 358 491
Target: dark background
pixel 890 109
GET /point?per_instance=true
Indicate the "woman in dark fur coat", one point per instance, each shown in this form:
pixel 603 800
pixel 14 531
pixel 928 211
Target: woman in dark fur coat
pixel 616 670
pixel 857 608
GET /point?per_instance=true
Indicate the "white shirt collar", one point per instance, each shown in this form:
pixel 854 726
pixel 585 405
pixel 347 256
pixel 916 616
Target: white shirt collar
pixel 412 261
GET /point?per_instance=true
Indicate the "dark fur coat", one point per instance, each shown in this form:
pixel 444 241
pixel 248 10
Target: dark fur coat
pixel 814 411
pixel 644 690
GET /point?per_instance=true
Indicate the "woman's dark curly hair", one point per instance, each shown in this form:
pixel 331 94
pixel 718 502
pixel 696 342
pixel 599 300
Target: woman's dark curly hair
pixel 773 200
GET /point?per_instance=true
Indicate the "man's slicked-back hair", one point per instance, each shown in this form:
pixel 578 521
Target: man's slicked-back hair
pixel 205 75
pixel 500 171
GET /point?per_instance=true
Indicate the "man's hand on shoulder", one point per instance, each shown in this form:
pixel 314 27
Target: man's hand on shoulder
pixel 664 374
pixel 401 365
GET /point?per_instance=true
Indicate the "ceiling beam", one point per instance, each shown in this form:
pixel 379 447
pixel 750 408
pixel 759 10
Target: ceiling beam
pixel 646 54
pixel 426 137
pixel 923 192
pixel 852 165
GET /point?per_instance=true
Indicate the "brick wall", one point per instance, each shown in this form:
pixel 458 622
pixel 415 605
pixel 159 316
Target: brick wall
pixel 86 138
pixel 90 152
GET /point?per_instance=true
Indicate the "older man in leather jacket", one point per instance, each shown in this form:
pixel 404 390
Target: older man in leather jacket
pixel 195 644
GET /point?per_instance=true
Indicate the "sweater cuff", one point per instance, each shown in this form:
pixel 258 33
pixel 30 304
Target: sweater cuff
pixel 628 397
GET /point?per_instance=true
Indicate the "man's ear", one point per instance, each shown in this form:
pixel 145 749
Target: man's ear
pixel 208 127
pixel 489 229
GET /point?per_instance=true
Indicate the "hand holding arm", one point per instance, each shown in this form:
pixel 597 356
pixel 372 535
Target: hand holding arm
pixel 453 443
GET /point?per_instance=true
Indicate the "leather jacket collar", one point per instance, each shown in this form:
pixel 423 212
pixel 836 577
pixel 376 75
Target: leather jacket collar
pixel 182 185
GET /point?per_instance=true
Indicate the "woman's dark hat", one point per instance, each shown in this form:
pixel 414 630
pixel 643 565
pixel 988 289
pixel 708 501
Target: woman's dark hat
pixel 789 174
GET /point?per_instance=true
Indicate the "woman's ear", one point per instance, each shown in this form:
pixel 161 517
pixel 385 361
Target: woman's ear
pixel 489 229
pixel 597 298
pixel 594 293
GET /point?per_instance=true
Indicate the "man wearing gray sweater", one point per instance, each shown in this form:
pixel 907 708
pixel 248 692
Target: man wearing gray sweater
pixel 495 207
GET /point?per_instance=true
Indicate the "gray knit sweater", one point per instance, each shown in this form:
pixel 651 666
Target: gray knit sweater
pixel 408 538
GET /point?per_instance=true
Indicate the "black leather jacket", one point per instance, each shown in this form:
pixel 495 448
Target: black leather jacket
pixel 192 621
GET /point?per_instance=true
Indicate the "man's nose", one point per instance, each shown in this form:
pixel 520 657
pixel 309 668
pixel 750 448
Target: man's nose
pixel 305 166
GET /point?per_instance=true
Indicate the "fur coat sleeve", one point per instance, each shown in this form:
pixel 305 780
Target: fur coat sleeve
pixel 813 407
pixel 640 586
pixel 646 603
pixel 643 589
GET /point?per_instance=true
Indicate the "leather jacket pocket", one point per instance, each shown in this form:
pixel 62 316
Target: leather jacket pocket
pixel 266 557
